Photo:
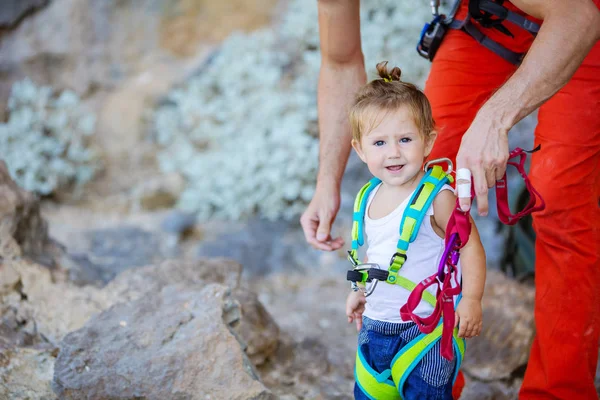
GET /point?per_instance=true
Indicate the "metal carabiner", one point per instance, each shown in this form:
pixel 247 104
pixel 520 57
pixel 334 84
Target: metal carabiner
pixel 449 169
pixel 435 7
pixel 367 289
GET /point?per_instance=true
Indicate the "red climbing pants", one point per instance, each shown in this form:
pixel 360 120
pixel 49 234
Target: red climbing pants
pixel 566 172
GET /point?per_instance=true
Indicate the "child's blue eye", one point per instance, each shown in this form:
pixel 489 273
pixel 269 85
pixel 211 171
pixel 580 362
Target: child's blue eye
pixel 379 143
pixel 405 140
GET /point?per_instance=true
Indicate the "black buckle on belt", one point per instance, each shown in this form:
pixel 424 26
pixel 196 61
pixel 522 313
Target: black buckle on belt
pixel 431 38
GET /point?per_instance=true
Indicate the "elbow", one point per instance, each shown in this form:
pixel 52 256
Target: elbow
pixel 588 16
pixel 595 24
pixel 351 58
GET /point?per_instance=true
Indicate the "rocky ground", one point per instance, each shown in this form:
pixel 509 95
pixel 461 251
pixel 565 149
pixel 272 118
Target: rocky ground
pixel 114 294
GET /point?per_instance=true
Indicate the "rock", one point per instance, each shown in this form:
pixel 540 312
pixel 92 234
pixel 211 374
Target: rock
pixel 23 232
pixel 497 390
pixel 17 331
pixel 174 344
pixel 133 284
pixel 159 192
pixel 257 328
pixel 178 222
pixel 9 278
pixel 261 246
pixel 13 11
pixel 26 374
pixel 55 307
pixel 508 330
pixel 110 251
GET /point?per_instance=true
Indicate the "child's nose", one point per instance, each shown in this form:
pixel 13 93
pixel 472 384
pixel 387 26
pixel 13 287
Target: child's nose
pixel 395 151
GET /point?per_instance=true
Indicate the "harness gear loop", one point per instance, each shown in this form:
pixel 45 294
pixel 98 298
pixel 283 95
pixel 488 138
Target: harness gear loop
pixel 487 13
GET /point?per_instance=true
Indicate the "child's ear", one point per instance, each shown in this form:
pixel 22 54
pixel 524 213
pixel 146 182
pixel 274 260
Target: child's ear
pixel 358 149
pixel 429 142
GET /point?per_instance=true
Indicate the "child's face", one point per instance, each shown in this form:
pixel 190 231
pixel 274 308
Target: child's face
pixel 395 150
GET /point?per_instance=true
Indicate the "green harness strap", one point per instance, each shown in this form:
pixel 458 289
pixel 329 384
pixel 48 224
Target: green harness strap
pixel 429 186
pixel 389 384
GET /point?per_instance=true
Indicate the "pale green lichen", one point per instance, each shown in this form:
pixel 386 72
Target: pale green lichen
pixel 243 132
pixel 45 142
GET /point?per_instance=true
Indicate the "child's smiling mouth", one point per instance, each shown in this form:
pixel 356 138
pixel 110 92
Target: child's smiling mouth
pixel 394 168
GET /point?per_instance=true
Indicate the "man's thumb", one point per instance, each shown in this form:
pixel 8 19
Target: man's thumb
pixel 323 231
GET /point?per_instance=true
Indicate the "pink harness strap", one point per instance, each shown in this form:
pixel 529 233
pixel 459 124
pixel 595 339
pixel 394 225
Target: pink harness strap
pixel 502 192
pixel 457 235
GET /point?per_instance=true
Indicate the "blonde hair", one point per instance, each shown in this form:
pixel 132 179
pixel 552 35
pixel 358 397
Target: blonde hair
pixel 388 93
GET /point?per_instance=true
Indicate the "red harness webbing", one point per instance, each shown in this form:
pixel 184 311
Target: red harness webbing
pixel 458 231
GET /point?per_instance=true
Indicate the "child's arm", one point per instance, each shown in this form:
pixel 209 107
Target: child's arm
pixel 355 305
pixel 472 258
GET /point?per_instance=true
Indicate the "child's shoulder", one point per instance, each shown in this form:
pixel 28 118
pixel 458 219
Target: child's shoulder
pixel 443 203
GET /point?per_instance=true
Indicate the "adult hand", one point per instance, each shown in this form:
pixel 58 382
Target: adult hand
pixel 484 151
pixel 318 218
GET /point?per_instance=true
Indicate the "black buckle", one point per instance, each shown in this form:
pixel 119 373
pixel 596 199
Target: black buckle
pixel 489 14
pixel 431 38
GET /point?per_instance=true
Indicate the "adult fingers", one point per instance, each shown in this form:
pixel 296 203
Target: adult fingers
pixel 463 188
pixel 490 177
pixel 310 224
pixel 481 190
pixel 324 227
pixel 500 171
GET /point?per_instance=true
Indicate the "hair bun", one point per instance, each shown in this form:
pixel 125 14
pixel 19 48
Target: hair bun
pixel 393 75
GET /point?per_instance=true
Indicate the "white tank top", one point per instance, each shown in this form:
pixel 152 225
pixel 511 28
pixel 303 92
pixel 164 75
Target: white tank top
pixel 423 257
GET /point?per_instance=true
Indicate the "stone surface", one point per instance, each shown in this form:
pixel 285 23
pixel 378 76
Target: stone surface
pixel 175 344
pixel 23 232
pixel 13 11
pixel 508 329
pixel 257 328
pixel 26 374
pixel 52 303
pixel 133 284
pixel 107 252
pixel 178 222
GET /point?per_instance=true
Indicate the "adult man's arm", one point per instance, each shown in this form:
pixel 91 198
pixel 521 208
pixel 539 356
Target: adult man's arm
pixel 569 31
pixel 342 73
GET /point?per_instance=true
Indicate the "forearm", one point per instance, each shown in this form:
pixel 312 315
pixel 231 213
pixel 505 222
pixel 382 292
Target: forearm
pixel 472 261
pixel 338 84
pixel 342 73
pixel 569 31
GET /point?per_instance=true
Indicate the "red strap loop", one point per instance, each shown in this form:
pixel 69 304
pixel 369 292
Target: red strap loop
pixel 458 231
pixel 502 192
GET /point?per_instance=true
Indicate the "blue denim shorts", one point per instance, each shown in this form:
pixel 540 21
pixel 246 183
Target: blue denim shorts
pixel 380 341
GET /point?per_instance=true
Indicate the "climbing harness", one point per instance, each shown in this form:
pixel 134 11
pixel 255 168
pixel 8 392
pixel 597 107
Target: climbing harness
pixel 370 274
pixel 487 13
pixel 440 324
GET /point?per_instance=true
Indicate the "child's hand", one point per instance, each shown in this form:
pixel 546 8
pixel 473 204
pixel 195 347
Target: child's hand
pixel 469 315
pixel 355 306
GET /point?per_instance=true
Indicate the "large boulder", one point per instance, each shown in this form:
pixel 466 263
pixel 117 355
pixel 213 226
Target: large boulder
pixel 173 344
pixel 256 329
